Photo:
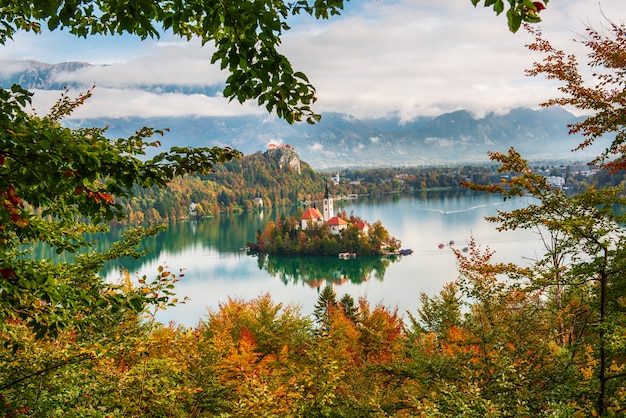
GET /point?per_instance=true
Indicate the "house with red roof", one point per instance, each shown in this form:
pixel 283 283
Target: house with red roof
pixel 311 217
pixel 363 227
pixel 337 225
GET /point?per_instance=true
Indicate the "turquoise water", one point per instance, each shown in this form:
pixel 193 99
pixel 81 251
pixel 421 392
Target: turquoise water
pixel 215 268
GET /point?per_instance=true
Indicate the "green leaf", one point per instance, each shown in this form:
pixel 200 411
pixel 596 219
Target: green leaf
pixel 515 21
pixel 498 7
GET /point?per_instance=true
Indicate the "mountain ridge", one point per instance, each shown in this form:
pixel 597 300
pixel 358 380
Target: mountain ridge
pixel 340 140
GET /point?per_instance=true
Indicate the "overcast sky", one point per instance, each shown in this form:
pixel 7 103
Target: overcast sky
pixel 383 57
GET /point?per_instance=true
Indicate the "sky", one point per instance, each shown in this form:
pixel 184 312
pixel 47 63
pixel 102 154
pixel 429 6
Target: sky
pixel 379 58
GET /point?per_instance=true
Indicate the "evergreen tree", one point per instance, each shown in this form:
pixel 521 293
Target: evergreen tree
pixel 326 302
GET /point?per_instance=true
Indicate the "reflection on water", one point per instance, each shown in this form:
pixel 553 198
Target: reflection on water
pixel 215 268
pixel 226 234
pixel 317 272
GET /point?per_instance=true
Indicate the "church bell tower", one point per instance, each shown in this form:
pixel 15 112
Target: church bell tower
pixel 327 210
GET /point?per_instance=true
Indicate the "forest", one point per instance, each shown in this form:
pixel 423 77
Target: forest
pixel 500 341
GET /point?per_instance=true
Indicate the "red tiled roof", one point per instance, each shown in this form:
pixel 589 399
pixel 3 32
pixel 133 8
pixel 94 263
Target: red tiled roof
pixel 335 220
pixel 312 214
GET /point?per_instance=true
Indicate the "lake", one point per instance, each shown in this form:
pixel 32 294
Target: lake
pixel 215 267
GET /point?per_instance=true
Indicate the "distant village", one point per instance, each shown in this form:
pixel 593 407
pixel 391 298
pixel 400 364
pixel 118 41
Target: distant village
pixel 556 176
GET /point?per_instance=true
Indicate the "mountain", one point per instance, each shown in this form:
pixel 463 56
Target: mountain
pixel 341 140
pixel 37 75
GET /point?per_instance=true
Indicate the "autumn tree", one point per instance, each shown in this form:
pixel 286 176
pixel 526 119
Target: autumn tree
pixel 602 93
pixel 54 178
pixel 587 223
pixel 56 184
pixel 110 359
pixel 255 352
pixel 438 314
pixel 586 287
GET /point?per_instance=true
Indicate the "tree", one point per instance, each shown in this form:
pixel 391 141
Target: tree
pixel 50 178
pixel 518 11
pixel 587 289
pixel 326 302
pixel 583 270
pixel 602 93
pixel 590 221
pixel 438 314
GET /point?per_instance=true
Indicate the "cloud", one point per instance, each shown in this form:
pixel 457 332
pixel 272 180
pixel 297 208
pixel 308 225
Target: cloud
pixel 11 67
pixel 422 58
pixel 119 103
pixel 169 64
pixel 317 147
pixel 403 57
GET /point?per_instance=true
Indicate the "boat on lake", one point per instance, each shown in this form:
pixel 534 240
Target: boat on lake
pixel 345 256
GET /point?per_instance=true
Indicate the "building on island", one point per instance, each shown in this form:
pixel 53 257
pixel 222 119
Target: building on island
pixel 311 217
pixel 363 227
pixel 337 225
pixel 327 205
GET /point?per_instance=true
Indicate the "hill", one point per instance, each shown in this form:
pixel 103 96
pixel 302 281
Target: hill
pixel 276 177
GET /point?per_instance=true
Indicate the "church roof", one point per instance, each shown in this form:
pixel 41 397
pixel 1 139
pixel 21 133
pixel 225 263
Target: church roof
pixel 312 214
pixel 335 220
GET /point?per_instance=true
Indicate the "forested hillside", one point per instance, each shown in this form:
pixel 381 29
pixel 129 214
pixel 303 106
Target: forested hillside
pixel 281 179
pixel 276 176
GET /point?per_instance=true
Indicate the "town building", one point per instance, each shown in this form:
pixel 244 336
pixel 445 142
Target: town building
pixel 555 181
pixel 311 217
pixel 337 225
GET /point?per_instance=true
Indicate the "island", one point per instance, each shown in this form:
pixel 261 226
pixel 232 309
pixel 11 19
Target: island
pixel 323 232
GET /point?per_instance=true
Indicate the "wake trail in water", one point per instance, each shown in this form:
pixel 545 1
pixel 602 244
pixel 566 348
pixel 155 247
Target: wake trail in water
pixel 448 212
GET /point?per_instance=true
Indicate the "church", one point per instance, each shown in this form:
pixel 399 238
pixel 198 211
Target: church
pixel 313 216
